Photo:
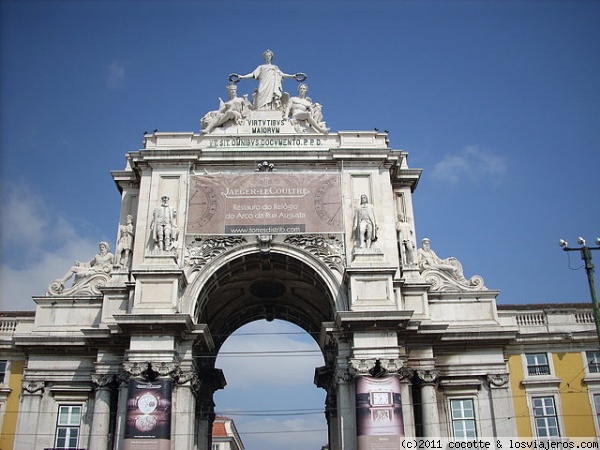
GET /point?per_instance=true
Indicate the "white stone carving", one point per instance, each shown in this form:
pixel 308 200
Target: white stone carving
pixel 329 249
pixel 445 274
pixel 88 276
pixel 202 250
pixel 303 113
pixel 164 226
pixel 365 225
pixel 498 379
pixel 406 240
pixel 125 244
pixel 269 92
pixel 231 112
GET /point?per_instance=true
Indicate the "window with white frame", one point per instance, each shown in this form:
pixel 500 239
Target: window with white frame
pixel 545 417
pixel 462 413
pixel 593 361
pixel 537 364
pixel 67 426
pixel 215 447
pixel 597 405
pixel 3 365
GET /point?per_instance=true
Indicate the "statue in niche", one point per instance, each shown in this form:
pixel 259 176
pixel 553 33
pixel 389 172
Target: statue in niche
pixel 365 225
pixel 125 243
pixel 429 260
pixel 269 92
pixel 303 113
pixel 164 226
pixel 406 240
pixel 234 111
pixel 99 264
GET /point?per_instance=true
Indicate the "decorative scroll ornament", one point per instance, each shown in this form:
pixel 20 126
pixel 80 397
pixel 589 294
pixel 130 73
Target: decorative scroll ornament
pixel 498 379
pixel 327 249
pixel 201 251
pixel 442 282
pixel 86 286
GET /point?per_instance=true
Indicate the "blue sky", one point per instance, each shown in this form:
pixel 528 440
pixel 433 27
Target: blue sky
pixel 498 102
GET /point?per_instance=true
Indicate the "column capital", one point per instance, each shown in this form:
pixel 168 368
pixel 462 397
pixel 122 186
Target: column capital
pixel 34 386
pixel 498 380
pixel 427 376
pixel 103 380
pixel 377 366
pixel 150 370
pixel 190 379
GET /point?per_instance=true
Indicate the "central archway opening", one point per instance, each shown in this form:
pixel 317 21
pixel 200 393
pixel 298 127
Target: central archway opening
pixel 265 312
pixel 270 395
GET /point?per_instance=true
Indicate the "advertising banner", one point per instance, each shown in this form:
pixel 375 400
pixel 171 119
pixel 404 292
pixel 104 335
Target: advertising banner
pixel 265 203
pixel 148 424
pixel 379 421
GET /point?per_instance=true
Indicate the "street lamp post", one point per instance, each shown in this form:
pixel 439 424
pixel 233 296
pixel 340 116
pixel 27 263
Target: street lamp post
pixel 586 255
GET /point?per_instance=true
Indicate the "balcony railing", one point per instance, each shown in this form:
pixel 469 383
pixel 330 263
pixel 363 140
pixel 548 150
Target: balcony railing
pixel 541 369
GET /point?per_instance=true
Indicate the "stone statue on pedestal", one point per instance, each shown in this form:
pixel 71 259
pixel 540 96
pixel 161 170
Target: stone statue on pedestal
pixel 406 241
pixel 428 259
pixel 303 113
pixel 269 92
pixel 445 274
pixel 96 271
pixel 232 111
pixel 164 226
pixel 365 225
pixel 125 243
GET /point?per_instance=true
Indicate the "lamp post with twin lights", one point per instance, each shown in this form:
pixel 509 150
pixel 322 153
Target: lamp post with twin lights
pixel 586 255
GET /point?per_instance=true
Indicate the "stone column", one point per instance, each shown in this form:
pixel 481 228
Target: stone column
pixel 346 405
pixel 184 407
pixel 408 413
pixel 502 405
pixel 429 406
pixel 324 379
pixel 103 384
pixel 123 390
pixel 29 416
pixel 211 380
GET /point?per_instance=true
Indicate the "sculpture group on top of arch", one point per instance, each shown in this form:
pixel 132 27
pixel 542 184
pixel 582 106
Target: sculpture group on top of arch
pixel 300 111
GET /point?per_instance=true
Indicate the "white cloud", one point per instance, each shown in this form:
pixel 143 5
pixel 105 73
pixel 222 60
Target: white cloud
pixel 473 163
pixel 38 246
pixel 116 75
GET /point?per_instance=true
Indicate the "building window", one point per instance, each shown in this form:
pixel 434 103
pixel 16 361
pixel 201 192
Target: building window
pixel 215 447
pixel 537 364
pixel 67 427
pixel 463 418
pixel 593 361
pixel 545 416
pixel 597 405
pixel 3 365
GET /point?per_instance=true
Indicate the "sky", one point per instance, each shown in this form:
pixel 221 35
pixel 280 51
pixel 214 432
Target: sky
pixel 497 101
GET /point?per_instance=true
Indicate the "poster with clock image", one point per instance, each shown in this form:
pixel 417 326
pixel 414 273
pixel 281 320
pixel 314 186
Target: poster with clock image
pixel 148 425
pixel 379 421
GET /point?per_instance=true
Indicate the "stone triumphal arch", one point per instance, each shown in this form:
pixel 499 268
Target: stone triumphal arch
pixel 265 213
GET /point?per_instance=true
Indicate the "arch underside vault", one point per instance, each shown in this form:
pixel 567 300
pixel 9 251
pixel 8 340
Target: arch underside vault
pixel 267 286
